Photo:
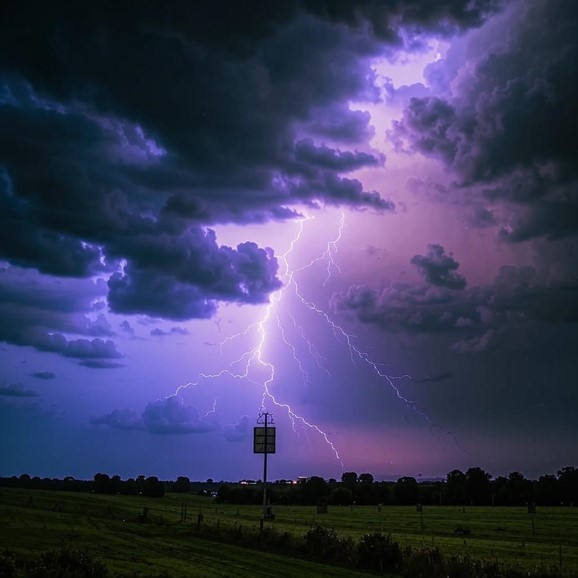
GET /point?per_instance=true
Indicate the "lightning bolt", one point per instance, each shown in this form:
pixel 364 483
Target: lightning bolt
pixel 254 358
pixel 339 332
pixel 241 368
pixel 333 268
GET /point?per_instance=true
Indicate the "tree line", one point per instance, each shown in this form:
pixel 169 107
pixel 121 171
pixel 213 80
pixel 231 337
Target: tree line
pixel 475 486
pixel 472 487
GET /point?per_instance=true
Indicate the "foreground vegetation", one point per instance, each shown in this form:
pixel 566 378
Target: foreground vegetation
pixel 187 535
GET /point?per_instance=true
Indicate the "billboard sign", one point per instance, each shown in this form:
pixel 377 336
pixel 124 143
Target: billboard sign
pixel 264 440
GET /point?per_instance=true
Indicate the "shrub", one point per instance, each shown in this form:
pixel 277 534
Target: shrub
pixel 379 552
pixel 7 564
pixel 322 543
pixel 419 562
pixel 66 563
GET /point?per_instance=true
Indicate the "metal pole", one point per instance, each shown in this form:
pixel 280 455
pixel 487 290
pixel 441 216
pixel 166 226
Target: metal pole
pixel 265 470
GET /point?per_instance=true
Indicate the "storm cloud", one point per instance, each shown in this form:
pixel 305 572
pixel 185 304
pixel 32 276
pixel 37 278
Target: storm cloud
pixel 125 133
pixel 503 120
pixel 518 302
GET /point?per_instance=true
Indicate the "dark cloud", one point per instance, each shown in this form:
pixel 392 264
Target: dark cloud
pixel 78 348
pixel 123 133
pixel 340 124
pixel 482 217
pixel 439 268
pixel 39 312
pixel 16 390
pixel 123 419
pixel 100 326
pixel 553 220
pixel 334 159
pixel 172 331
pixel 100 364
pixel 504 120
pixel 44 375
pixel 237 432
pixel 158 295
pixel 172 416
pixel 388 20
pixel 518 302
pixel 127 327
pixel 442 376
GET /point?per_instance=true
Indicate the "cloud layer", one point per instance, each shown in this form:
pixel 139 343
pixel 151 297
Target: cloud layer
pixel 500 114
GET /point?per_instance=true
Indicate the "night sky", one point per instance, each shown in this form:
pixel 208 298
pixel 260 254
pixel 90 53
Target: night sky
pixel 360 217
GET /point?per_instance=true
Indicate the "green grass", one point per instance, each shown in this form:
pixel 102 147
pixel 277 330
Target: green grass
pixel 503 533
pixel 107 527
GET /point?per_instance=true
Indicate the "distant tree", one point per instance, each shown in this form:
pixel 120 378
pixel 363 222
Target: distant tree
pixel 478 486
pixel 367 494
pixel 349 480
pixel 518 489
pixel 365 479
pixel 568 481
pixel 182 485
pixel 103 484
pixel 384 492
pixel 223 493
pixel 341 496
pixel 455 489
pixel 429 492
pixel 547 491
pixel 115 483
pixel 406 490
pixel 499 493
pixel 314 488
pixel 129 487
pixel 152 487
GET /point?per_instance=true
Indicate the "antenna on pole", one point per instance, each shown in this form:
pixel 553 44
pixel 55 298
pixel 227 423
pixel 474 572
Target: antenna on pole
pixel 264 443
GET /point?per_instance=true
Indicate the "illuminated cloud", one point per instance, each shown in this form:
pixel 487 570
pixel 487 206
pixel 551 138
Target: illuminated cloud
pixel 503 120
pixel 172 416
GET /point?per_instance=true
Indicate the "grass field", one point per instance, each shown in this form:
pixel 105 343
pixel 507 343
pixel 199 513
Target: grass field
pixel 32 521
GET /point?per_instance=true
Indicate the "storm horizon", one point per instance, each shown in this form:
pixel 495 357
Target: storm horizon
pixel 359 217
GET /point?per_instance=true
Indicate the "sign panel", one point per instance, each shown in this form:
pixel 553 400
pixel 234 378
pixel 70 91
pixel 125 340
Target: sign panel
pixel 262 441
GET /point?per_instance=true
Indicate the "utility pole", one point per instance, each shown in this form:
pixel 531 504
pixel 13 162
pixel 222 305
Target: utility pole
pixel 264 443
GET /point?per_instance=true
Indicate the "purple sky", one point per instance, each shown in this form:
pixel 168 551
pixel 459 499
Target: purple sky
pixel 359 216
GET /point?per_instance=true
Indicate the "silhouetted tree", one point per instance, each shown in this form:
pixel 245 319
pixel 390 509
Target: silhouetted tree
pixel 341 496
pixel 182 485
pixel 499 490
pixel 223 493
pixel 152 487
pixel 455 490
pixel 568 481
pixel 349 480
pixel 314 488
pixel 129 487
pixel 384 492
pixel 547 491
pixel 478 486
pixel 518 489
pixel 365 479
pixel 103 484
pixel 406 490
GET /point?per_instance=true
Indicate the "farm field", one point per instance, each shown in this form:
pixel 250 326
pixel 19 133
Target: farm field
pixel 107 527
